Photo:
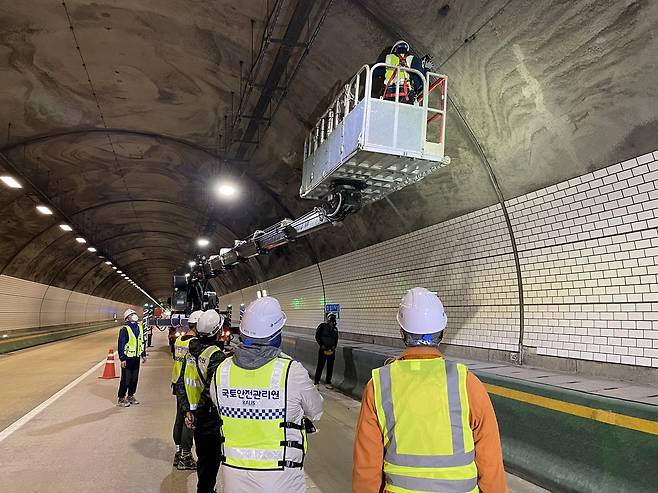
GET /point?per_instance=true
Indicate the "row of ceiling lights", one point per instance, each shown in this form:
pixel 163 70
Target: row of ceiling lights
pixel 47 211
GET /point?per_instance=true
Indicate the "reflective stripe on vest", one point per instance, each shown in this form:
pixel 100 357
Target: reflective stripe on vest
pixel 135 345
pixel 193 385
pixel 181 348
pixel 391 75
pixel 252 407
pixel 423 412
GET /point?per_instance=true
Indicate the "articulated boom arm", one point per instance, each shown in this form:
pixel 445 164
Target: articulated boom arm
pixel 344 199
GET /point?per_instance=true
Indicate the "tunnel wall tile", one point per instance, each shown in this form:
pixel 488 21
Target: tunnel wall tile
pixel 588 249
pixel 27 304
pixel 468 260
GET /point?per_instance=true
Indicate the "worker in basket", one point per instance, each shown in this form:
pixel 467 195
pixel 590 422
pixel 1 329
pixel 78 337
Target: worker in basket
pixel 409 85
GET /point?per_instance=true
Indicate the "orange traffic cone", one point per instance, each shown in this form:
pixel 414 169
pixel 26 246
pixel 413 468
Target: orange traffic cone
pixel 108 371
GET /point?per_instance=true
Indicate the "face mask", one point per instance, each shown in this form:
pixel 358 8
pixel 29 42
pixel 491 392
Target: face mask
pixel 134 318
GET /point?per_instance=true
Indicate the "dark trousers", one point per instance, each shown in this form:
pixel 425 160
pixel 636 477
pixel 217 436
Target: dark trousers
pixel 182 434
pixel 322 358
pixel 129 377
pixel 208 453
pixel 149 338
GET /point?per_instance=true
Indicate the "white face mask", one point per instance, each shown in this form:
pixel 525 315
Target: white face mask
pixel 134 318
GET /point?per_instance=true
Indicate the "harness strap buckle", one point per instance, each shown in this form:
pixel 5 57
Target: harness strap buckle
pixel 291 464
pixel 292 444
pixel 290 424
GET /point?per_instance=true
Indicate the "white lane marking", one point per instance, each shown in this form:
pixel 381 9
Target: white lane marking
pixel 20 422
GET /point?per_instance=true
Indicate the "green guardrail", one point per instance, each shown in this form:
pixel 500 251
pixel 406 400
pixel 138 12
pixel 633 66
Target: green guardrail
pixel 563 440
pixel 15 343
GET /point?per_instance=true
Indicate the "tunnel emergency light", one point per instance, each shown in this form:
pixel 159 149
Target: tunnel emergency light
pixel 10 182
pixel 80 240
pixel 91 249
pixel 65 227
pixel 44 210
pixel 203 242
pixel 226 190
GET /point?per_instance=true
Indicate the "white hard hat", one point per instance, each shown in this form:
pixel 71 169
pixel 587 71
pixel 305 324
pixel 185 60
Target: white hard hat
pixel 421 312
pixel 128 313
pixel 194 317
pixel 262 318
pixel 209 323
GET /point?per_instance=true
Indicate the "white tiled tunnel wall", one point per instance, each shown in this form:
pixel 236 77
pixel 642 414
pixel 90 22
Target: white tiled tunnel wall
pixel 467 260
pixel 27 304
pixel 587 247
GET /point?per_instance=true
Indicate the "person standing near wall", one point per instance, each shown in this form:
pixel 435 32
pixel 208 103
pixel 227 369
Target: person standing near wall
pixel 264 399
pixel 131 349
pixel 326 336
pixel 183 436
pixel 205 355
pixel 426 423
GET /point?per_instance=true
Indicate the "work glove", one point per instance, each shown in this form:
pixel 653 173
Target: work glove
pixel 428 64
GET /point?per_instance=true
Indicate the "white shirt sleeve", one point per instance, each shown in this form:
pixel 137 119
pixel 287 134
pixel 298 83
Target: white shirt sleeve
pixel 311 400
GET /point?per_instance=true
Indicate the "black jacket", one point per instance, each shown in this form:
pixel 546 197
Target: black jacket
pixel 206 415
pixel 327 335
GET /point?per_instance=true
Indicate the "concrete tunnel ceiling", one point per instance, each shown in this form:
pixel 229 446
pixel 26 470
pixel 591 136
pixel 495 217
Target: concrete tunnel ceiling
pixel 127 134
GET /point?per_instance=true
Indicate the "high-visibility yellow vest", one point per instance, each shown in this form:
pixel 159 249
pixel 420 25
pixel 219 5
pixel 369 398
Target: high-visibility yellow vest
pixel 196 375
pixel 391 77
pixel 423 412
pixel 135 345
pixel 181 350
pixel 252 408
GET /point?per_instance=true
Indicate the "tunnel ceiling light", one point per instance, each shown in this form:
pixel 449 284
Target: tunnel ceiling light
pixel 10 182
pixel 119 272
pixel 191 263
pixel 44 210
pixel 114 267
pixel 203 242
pixel 108 262
pixel 91 249
pixel 80 240
pixel 225 189
pixel 65 227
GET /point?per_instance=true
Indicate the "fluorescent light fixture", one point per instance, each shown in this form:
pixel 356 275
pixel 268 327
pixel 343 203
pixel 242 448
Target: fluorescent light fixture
pixel 10 182
pixel 44 210
pixel 108 262
pixel 114 267
pixel 225 189
pixel 91 249
pixel 80 240
pixel 119 272
pixel 191 263
pixel 65 227
pixel 202 242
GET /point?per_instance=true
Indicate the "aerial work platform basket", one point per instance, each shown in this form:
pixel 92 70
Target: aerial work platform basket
pixel 383 144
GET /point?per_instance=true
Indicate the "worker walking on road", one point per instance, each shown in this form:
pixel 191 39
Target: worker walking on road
pixel 131 349
pixel 205 355
pixel 183 459
pixel 263 398
pixel 326 336
pixel 426 423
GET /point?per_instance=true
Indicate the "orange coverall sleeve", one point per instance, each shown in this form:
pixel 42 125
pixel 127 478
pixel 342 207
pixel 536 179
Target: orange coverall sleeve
pixel 367 472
